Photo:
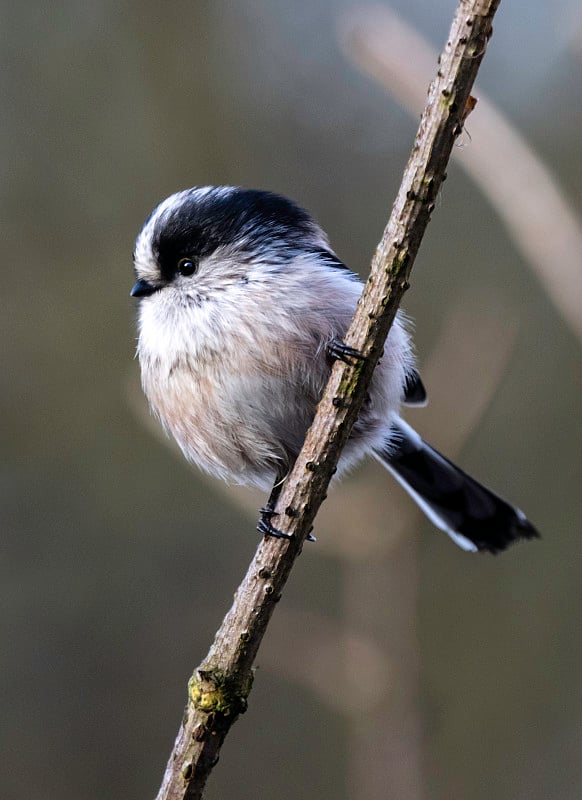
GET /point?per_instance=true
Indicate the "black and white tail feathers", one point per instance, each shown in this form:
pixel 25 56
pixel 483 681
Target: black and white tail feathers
pixel 473 516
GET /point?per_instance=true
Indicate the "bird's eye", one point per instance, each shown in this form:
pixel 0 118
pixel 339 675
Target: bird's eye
pixel 186 267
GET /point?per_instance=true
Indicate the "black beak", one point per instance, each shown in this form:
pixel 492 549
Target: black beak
pixel 143 289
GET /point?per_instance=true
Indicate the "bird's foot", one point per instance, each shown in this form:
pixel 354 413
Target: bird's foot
pixel 266 527
pixel 340 351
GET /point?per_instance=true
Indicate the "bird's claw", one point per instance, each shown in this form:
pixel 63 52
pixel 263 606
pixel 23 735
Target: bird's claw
pixel 340 351
pixel 266 527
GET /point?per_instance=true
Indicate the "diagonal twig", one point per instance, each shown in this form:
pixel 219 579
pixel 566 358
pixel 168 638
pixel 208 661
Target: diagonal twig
pixel 219 687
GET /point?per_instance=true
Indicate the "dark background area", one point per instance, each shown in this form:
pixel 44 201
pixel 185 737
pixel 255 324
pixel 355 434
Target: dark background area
pixel 396 665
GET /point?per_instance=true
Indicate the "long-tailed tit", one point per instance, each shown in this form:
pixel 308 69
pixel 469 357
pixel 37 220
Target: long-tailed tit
pixel 243 307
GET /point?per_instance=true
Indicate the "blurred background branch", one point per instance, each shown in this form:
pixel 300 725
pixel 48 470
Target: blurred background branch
pixel 530 203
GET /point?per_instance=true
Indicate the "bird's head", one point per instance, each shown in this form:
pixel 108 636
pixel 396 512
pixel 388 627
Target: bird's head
pixel 199 241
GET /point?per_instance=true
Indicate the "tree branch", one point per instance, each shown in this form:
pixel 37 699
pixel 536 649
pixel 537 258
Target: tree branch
pixel 219 687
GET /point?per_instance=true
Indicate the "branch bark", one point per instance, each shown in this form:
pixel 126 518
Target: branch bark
pixel 219 687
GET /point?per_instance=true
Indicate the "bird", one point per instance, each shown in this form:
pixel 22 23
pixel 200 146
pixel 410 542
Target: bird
pixel 243 309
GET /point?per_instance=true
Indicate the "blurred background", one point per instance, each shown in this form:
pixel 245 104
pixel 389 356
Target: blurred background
pixel 396 665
